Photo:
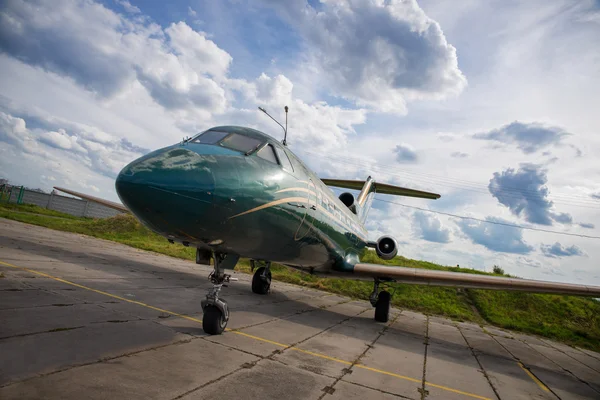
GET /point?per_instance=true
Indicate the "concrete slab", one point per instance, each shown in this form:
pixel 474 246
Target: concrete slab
pixel 352 391
pixel 564 385
pixel 19 298
pixel 22 358
pixel 346 342
pixel 571 365
pixel 450 363
pixel 162 373
pixel 503 371
pixel 267 379
pixel 400 350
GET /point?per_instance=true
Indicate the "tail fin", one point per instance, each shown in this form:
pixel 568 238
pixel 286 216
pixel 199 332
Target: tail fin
pixel 365 199
pixel 368 188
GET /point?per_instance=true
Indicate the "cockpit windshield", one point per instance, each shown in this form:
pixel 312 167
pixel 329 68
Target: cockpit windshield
pixel 241 143
pixel 233 141
pixel 209 137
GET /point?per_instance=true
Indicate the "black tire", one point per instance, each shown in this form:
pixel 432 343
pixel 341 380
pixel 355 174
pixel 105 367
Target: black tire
pixel 382 307
pixel 213 321
pixel 261 285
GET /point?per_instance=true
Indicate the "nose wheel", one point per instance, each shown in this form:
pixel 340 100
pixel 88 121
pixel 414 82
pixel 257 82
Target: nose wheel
pixel 215 310
pixel 381 300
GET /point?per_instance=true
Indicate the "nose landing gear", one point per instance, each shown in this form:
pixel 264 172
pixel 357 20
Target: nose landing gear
pixel 216 312
pixel 381 301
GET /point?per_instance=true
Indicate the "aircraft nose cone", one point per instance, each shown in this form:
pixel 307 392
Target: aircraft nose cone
pixel 168 186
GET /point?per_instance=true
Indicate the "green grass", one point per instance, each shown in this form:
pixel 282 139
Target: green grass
pixel 35 209
pixel 572 320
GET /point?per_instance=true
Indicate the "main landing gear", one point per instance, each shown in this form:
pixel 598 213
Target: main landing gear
pixel 216 312
pixel 381 302
pixel 261 281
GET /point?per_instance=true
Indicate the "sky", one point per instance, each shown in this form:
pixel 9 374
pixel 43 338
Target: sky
pixel 492 104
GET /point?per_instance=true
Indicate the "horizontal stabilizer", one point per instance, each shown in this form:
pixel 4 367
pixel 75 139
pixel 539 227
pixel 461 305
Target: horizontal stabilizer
pixel 430 277
pixel 107 203
pixel 381 188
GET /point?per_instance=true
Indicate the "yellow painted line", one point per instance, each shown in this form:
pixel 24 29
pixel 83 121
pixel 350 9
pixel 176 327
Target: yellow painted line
pixel 323 356
pixel 257 338
pixel 534 378
pixel 139 303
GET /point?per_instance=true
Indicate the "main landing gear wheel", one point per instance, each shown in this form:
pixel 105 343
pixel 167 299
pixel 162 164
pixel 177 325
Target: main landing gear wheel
pixel 382 307
pixel 381 301
pixel 261 281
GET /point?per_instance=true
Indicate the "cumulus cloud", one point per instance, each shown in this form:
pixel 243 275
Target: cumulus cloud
pixel 525 193
pixel 99 151
pixel 317 125
pixel 130 8
pixel 495 237
pixel 587 225
pixel 405 153
pixel 557 250
pixel 378 54
pixel 595 196
pixel 529 137
pixel 106 52
pixel 429 227
pixel 459 154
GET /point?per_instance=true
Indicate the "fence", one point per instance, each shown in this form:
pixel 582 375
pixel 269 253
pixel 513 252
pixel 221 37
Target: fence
pixel 69 205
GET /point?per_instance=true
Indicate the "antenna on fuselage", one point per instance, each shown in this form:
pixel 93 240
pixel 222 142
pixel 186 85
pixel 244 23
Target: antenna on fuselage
pixel 286 122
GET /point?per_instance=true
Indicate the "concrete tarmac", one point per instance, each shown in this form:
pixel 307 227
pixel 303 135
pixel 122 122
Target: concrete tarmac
pixel 87 318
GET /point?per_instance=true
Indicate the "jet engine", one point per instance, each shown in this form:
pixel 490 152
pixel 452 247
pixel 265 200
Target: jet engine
pixel 386 247
pixel 348 199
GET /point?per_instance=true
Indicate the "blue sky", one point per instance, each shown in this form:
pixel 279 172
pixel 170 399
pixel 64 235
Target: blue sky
pixel 493 104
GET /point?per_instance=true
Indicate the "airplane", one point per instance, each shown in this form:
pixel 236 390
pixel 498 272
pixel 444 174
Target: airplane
pixel 234 192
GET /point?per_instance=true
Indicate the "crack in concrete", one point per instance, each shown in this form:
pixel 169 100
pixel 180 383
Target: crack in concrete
pixel 98 361
pixel 478 362
pixel 348 370
pixel 525 367
pixel 424 392
pixel 561 367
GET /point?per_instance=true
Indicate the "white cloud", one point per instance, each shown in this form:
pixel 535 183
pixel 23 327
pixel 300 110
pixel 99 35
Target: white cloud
pixel 130 8
pixel 375 53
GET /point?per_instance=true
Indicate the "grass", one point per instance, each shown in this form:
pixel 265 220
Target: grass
pixel 573 320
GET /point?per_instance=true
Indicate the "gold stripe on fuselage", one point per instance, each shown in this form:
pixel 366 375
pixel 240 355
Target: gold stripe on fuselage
pixel 271 204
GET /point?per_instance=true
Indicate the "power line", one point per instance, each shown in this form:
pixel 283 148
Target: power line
pixel 490 222
pixel 458 181
pixel 513 193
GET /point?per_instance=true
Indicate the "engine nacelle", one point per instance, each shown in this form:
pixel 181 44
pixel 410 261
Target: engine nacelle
pixel 386 247
pixel 348 199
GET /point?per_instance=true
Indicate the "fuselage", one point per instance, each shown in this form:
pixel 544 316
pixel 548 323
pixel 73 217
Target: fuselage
pixel 239 191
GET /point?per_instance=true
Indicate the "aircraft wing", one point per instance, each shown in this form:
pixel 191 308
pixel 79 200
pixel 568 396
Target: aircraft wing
pixel 473 281
pixel 107 203
pixel 381 188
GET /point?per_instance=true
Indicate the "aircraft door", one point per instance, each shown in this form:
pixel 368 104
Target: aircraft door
pixel 310 208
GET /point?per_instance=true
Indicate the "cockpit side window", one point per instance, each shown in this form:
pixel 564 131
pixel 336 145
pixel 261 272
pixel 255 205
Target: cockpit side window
pixel 242 143
pixel 285 161
pixel 209 137
pixel 267 153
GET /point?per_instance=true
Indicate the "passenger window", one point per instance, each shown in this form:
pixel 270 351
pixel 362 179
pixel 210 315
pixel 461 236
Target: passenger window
pixel 267 153
pixel 285 161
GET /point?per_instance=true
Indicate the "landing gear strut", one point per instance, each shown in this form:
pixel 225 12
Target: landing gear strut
pixel 216 312
pixel 381 302
pixel 261 281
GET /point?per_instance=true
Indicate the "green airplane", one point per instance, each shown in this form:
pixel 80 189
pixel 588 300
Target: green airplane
pixel 236 192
